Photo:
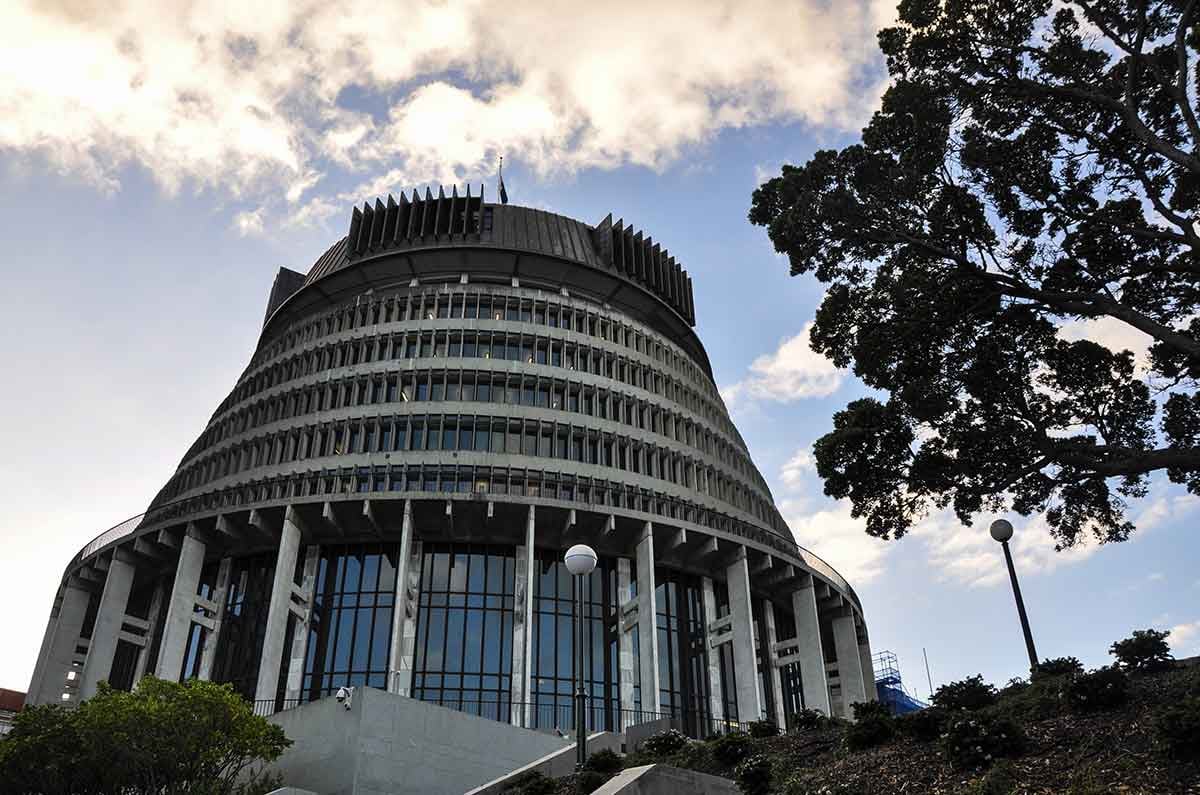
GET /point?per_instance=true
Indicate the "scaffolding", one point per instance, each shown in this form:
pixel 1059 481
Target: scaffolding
pixel 890 687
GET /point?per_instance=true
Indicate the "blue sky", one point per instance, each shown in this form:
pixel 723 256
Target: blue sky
pixel 148 196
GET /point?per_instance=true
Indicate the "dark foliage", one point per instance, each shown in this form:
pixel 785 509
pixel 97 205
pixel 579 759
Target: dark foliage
pixel 977 740
pixel 1103 688
pixel 604 761
pixel 589 781
pixel 753 776
pixel 763 728
pixel 869 731
pixel 1033 166
pixel 166 737
pixel 664 743
pixel 971 693
pixel 1145 650
pixel 531 783
pixel 807 719
pixel 1058 666
pixel 869 709
pixel 1178 729
pixel 731 748
pixel 924 725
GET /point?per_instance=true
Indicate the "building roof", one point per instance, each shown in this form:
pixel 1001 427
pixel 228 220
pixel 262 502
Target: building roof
pixel 11 700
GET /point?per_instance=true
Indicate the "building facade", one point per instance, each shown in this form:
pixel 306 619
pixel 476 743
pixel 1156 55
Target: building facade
pixel 453 394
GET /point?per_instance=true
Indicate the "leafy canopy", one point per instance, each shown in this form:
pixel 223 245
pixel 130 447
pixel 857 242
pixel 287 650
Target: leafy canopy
pixel 1033 165
pixel 196 737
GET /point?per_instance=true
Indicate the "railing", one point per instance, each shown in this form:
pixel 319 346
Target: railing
pixel 555 717
pixel 107 537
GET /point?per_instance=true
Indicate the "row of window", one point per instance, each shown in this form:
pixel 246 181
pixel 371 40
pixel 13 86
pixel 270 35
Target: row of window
pixel 474 433
pixel 470 344
pixel 492 303
pixel 512 389
pixel 464 479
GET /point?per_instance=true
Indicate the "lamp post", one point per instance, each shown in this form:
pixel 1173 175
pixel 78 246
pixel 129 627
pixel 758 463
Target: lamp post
pixel 1002 531
pixel 581 561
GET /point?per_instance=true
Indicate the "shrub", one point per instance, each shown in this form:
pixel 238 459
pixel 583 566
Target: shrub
pixel 588 781
pixel 1014 686
pixel 729 749
pixel 977 740
pixel 1178 728
pixel 869 731
pixel 997 781
pixel 807 719
pixel 1146 650
pixel 604 761
pixel 1037 700
pixel 924 725
pixel 1103 688
pixel 971 693
pixel 870 709
pixel 763 728
pixel 1058 666
pixel 664 743
pixel 753 775
pixel 531 783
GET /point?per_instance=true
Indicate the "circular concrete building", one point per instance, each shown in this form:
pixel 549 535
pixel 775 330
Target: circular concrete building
pixel 454 394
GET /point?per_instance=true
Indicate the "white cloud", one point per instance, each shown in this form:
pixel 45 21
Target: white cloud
pixel 795 469
pixel 1185 639
pixel 1156 576
pixel 837 538
pixel 250 99
pixel 249 222
pixel 792 372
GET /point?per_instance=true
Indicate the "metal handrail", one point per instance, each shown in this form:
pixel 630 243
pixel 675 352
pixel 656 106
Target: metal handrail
pixel 110 535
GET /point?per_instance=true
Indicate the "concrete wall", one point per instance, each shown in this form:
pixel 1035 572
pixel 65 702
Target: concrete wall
pixel 665 780
pixel 387 743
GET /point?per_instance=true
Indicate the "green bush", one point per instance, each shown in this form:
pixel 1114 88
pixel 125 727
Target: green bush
pixel 531 783
pixel 588 781
pixel 729 749
pixel 807 719
pixel 869 731
pixel 971 693
pixel 1014 686
pixel 924 725
pixel 1058 666
pixel 763 728
pixel 999 780
pixel 1146 650
pixel 870 709
pixel 753 776
pixel 1178 729
pixel 664 743
pixel 977 740
pixel 1036 700
pixel 1103 688
pixel 604 761
pixel 165 737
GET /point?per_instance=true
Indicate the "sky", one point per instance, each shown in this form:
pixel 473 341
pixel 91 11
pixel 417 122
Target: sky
pixel 159 162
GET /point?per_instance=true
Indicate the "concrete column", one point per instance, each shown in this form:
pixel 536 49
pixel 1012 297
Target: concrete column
pixel 712 652
pixel 39 669
pixel 647 621
pixel 60 656
pixel 213 636
pixel 813 681
pixel 868 670
pixel 153 617
pixel 404 608
pixel 299 650
pixel 110 615
pixel 745 663
pixel 180 609
pixel 849 663
pixel 625 656
pixel 522 645
pixel 280 608
pixel 772 674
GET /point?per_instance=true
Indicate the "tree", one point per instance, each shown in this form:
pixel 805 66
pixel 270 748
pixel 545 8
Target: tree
pixel 166 737
pixel 1033 167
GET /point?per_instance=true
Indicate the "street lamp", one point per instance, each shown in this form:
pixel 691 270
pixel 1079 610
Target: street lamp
pixel 581 561
pixel 1002 531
